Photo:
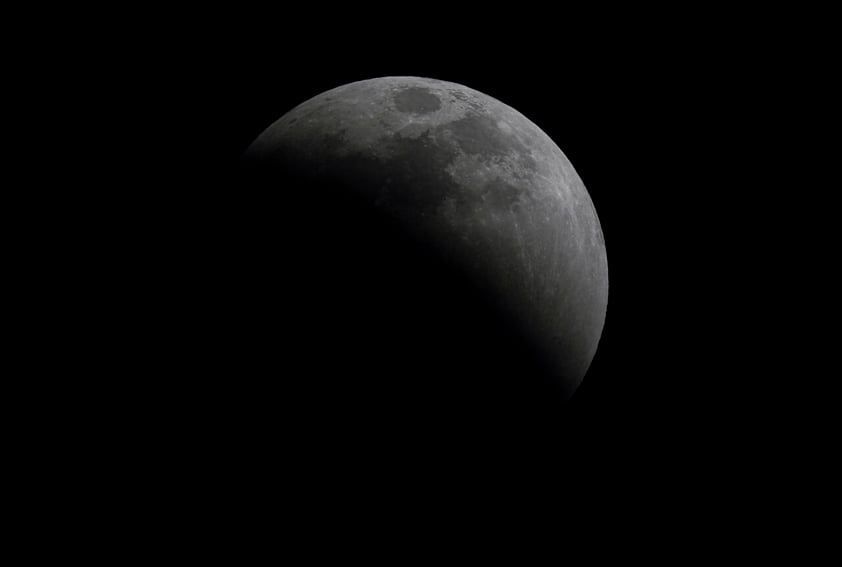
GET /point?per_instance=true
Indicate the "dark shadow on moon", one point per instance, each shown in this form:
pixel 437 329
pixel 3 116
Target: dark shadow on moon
pixel 351 328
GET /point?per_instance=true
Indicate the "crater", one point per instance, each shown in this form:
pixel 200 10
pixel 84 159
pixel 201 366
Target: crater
pixel 417 100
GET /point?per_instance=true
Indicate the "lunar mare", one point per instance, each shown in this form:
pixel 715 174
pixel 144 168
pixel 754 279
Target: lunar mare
pixel 476 179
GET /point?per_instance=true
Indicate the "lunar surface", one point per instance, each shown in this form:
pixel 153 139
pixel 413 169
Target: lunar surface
pixel 455 176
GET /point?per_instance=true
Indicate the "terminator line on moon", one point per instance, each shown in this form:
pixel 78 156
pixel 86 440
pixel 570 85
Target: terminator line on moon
pixel 478 181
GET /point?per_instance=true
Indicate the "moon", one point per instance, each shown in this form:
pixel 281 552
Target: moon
pixel 398 178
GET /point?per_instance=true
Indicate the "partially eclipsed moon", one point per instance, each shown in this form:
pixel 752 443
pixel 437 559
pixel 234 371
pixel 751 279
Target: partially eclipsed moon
pixel 475 180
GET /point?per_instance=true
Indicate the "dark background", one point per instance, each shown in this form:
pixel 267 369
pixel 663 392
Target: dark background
pixel 654 118
pixel 170 405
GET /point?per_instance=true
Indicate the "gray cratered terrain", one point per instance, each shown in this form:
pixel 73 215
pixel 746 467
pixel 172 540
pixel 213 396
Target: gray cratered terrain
pixel 479 182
